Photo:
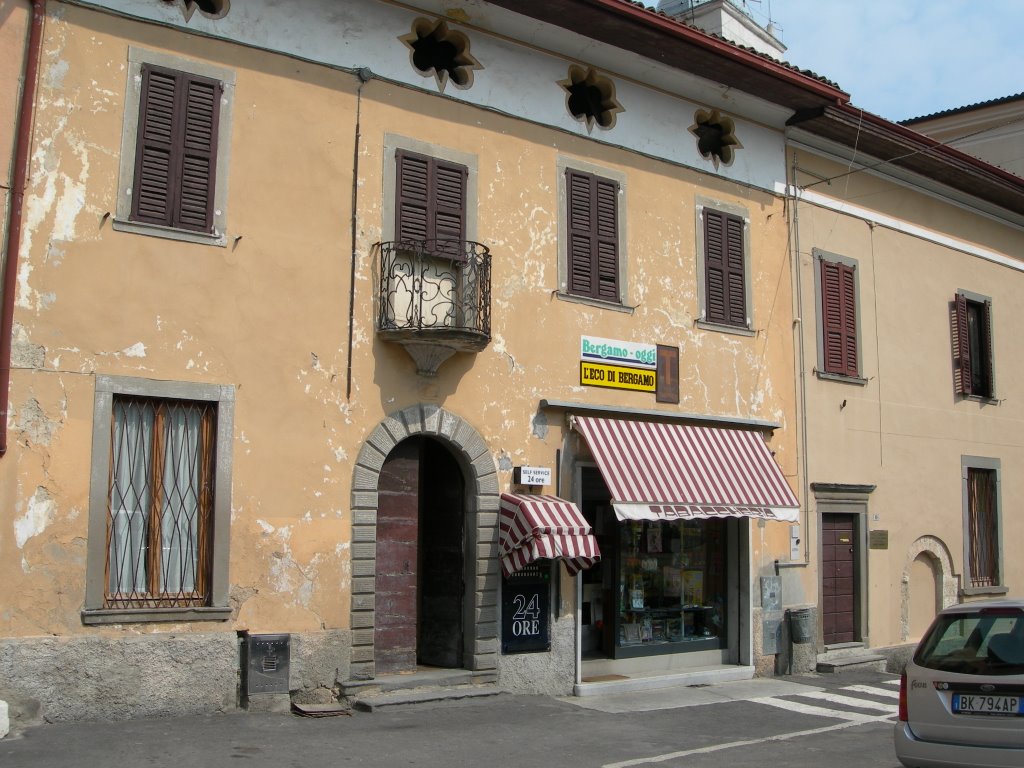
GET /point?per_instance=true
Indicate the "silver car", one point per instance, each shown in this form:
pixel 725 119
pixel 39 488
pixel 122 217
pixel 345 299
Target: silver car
pixel 962 695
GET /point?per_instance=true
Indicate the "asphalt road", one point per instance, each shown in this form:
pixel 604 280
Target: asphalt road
pixel 842 721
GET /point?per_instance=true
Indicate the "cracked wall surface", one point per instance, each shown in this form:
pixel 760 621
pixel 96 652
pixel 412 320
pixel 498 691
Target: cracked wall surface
pixel 269 314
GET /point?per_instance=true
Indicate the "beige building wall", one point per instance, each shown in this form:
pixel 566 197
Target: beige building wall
pixel 901 427
pixel 269 314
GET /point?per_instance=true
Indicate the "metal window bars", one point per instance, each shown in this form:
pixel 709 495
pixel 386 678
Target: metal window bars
pixel 159 522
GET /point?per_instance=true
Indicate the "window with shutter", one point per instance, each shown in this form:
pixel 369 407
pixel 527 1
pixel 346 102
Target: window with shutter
pixel 725 296
pixel 593 232
pixel 973 365
pixel 839 318
pixel 431 201
pixel 176 150
pixel 173 168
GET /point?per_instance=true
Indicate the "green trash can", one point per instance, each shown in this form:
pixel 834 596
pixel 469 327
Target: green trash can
pixel 801 625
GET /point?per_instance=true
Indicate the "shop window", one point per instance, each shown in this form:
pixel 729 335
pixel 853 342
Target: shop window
pixel 159 504
pixel 173 177
pixel 672 578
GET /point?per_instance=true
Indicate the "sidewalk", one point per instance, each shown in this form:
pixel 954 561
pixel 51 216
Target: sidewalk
pixel 537 730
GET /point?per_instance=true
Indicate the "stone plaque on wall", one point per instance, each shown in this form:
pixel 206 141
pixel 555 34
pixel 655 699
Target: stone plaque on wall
pixel 878 539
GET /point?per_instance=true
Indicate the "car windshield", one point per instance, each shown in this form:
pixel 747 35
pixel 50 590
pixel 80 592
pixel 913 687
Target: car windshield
pixel 986 643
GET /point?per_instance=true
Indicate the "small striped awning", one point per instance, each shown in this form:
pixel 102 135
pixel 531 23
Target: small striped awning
pixel 531 527
pixel 658 471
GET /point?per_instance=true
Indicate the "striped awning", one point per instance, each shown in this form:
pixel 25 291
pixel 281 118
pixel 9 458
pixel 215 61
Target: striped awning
pixel 531 527
pixel 658 471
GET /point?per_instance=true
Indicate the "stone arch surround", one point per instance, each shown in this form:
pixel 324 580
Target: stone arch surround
pixel 939 554
pixel 482 504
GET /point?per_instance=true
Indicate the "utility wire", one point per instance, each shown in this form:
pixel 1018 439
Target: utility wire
pixel 947 143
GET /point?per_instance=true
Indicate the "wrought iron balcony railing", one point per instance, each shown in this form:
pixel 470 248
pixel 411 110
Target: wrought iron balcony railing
pixel 435 298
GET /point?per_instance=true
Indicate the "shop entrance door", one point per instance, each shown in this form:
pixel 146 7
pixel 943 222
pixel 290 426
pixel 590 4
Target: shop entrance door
pixel 419 586
pixel 838 578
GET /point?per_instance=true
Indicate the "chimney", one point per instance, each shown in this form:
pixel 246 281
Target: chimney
pixel 731 19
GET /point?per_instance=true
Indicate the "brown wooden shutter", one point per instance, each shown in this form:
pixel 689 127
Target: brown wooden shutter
pixel 201 99
pixel 606 206
pixel 989 361
pixel 839 318
pixel 581 228
pixel 593 251
pixel 431 200
pixel 961 347
pixel 736 271
pixel 414 209
pixel 724 269
pixel 176 149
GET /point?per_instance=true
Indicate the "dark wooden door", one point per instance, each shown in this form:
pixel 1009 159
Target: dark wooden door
pixel 394 633
pixel 838 578
pixel 442 505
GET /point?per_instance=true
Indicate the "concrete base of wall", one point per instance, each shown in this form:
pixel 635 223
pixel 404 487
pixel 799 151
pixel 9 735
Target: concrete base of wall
pixel 116 677
pixel 896 656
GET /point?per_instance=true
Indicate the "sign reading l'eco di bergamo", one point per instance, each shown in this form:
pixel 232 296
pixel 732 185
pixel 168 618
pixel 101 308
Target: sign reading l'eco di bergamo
pixel 618 364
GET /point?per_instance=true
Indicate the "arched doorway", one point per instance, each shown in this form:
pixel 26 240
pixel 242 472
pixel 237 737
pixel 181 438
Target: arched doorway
pixel 444 431
pixel 419 583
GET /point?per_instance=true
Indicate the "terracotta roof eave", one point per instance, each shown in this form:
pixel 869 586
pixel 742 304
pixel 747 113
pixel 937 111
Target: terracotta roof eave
pixel 886 141
pixel 966 108
pixel 633 27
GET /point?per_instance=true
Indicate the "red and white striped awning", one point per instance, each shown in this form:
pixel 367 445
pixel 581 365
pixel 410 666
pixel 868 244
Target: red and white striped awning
pixel 532 527
pixel 658 471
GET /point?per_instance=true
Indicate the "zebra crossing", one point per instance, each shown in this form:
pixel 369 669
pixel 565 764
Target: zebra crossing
pixel 854 703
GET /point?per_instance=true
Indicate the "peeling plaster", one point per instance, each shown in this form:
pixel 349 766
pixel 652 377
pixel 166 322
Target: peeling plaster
pixel 138 349
pixel 33 422
pixel 25 354
pixel 39 515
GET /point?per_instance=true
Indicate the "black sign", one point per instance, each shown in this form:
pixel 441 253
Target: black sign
pixel 526 609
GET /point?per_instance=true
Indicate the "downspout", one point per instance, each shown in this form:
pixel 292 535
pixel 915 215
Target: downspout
pixel 798 327
pixel 18 182
pixel 364 75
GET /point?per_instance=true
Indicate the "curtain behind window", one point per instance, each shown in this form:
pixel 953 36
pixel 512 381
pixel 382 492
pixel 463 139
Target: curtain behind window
pixel 982 527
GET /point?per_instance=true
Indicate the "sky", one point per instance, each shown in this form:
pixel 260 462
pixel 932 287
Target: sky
pixel 904 58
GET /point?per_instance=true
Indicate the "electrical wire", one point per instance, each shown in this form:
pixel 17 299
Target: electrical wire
pixel 947 143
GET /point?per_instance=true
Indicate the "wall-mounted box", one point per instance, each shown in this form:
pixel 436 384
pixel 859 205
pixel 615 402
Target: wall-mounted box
pixel 266 663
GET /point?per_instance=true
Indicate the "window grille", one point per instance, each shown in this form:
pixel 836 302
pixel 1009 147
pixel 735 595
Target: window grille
pixel 982 527
pixel 159 523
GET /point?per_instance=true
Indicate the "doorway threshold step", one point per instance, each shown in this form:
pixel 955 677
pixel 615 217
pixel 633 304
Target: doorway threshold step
pixel 870 661
pixel 410 697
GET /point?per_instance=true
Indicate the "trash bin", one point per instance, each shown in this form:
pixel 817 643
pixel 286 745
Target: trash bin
pixel 801 627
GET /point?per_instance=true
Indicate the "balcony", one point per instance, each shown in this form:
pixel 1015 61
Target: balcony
pixel 435 299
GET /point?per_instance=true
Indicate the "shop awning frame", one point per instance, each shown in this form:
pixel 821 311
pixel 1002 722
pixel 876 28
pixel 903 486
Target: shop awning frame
pixel 538 526
pixel 671 471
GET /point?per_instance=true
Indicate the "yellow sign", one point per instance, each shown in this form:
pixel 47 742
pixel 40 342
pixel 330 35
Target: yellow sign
pixel 616 377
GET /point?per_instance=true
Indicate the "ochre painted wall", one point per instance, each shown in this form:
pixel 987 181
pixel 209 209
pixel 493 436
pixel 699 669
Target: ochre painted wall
pixel 269 313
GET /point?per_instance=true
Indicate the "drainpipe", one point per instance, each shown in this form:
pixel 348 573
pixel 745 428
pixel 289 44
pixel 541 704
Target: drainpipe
pixel 18 182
